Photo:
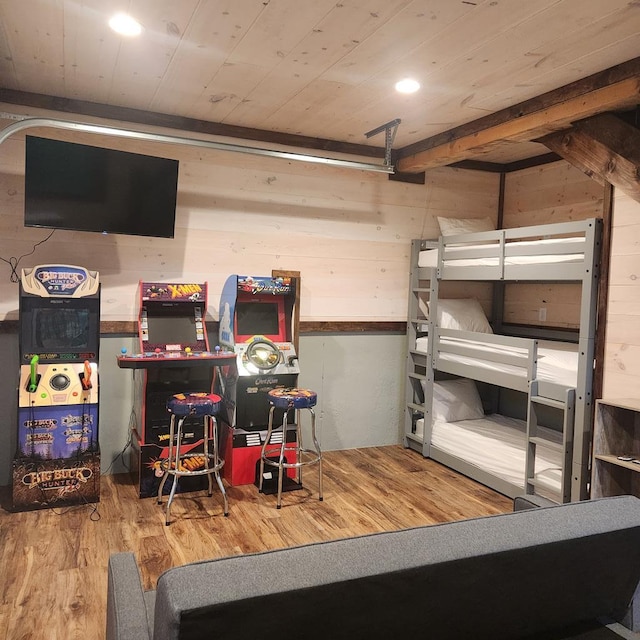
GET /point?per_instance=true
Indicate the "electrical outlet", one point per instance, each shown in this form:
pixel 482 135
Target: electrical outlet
pixel 542 314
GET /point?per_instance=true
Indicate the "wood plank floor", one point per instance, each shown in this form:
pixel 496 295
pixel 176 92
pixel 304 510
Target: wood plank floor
pixel 53 563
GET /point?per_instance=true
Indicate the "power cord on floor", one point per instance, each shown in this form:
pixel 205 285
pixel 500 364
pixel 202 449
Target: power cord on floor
pixel 120 457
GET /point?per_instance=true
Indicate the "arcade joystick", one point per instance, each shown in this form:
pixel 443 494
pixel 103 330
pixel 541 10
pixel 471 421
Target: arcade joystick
pixel 187 350
pixel 33 377
pixel 217 349
pixel 157 351
pixel 123 351
pixel 86 377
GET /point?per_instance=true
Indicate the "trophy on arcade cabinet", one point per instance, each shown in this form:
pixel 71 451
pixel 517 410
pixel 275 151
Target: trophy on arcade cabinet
pixel 257 323
pixel 58 456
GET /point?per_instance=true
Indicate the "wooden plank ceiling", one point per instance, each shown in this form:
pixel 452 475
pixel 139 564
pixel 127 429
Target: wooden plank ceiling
pixel 497 76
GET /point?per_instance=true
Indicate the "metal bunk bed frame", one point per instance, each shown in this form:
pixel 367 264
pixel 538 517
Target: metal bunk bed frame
pixel 576 404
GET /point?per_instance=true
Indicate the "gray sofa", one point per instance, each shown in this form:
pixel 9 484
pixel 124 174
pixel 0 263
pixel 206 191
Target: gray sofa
pixel 545 573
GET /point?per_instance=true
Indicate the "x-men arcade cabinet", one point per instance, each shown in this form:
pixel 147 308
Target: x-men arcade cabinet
pixel 257 323
pixel 57 461
pixel 174 358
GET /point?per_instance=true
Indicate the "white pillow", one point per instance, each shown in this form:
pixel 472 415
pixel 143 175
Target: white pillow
pixel 454 226
pixel 455 400
pixel 464 314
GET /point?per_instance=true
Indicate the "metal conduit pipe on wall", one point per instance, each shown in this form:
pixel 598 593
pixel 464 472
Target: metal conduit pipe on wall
pixel 29 122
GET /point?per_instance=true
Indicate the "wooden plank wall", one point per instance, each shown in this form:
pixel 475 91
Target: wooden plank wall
pixel 554 192
pixel 622 338
pixel 348 232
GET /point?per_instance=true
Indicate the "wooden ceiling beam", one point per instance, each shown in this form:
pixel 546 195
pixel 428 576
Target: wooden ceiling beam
pixel 619 73
pixel 620 95
pixel 604 147
pixel 574 148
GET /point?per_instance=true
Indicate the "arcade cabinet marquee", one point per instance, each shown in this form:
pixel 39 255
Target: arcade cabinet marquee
pixel 57 461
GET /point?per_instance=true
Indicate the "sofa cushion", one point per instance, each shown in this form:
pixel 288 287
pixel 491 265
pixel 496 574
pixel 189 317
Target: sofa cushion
pixel 504 576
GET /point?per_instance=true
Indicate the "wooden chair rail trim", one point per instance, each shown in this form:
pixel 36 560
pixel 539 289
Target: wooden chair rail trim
pixel 131 327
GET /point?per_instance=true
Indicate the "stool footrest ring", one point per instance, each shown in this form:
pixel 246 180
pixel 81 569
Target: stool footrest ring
pixel 312 458
pixel 164 465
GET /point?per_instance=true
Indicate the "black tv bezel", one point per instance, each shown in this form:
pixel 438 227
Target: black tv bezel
pixel 59 148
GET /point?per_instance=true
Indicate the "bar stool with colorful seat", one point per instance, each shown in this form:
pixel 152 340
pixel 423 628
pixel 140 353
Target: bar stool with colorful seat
pixel 274 454
pixel 209 462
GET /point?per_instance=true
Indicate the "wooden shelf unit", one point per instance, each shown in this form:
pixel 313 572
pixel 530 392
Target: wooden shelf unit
pixel 616 433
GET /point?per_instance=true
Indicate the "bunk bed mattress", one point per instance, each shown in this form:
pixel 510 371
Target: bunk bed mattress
pixel 456 254
pixel 557 361
pixel 497 444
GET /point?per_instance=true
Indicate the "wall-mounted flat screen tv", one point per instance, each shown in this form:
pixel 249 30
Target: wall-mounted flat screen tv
pixel 83 188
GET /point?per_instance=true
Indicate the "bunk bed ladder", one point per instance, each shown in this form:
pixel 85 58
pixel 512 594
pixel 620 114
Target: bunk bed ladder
pixel 565 403
pixel 422 287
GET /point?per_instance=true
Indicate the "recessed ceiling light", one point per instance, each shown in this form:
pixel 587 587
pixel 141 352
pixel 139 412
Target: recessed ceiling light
pixel 407 85
pixel 125 25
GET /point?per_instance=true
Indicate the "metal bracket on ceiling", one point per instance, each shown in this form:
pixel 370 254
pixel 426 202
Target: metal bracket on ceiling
pixel 27 122
pixel 390 129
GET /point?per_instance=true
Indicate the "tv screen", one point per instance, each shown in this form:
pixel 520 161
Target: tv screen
pixel 172 329
pixel 83 188
pixel 60 329
pixel 257 318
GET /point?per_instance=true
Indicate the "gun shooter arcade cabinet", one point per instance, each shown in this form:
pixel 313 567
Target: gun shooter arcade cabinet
pixel 257 324
pixel 174 357
pixel 57 462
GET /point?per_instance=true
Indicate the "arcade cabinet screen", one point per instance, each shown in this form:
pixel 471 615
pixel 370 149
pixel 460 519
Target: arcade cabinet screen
pixel 84 188
pixel 172 329
pixel 258 318
pixel 60 329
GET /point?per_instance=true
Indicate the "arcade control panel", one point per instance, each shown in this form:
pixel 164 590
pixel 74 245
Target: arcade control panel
pixel 286 362
pixel 58 384
pixel 186 357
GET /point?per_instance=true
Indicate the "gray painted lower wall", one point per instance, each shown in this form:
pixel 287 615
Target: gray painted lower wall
pixel 358 378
